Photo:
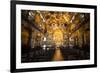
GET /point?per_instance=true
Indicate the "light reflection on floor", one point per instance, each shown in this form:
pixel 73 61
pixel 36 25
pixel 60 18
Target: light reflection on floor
pixel 58 55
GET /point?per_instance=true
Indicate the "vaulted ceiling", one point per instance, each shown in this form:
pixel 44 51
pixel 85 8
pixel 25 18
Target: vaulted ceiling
pixel 44 20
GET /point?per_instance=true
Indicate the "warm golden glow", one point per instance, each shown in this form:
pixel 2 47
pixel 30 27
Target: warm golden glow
pixel 58 37
pixel 55 35
pixel 58 55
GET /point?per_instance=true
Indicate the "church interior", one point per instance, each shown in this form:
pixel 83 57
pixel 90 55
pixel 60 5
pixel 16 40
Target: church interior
pixel 54 36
